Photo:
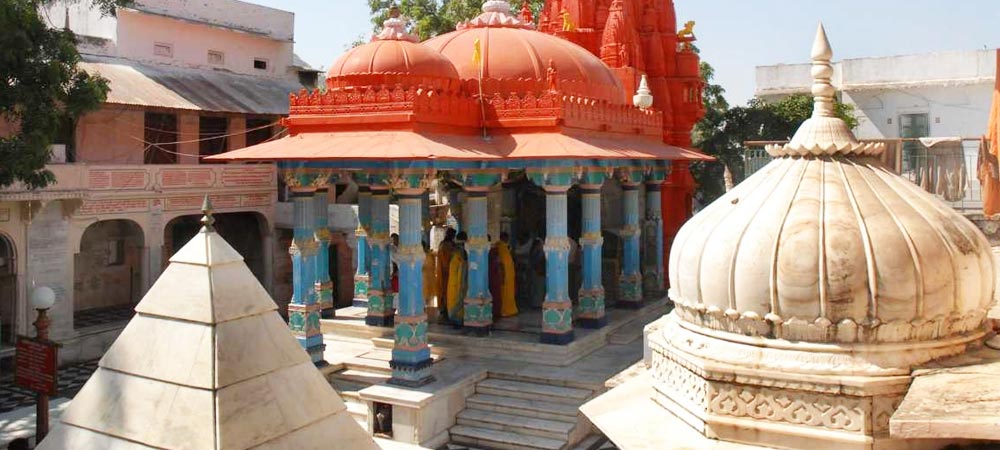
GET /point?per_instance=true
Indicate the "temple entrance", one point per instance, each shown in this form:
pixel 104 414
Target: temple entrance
pixel 107 275
pixel 243 230
pixel 8 293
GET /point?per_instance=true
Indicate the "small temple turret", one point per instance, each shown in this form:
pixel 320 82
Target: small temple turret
pixel 206 363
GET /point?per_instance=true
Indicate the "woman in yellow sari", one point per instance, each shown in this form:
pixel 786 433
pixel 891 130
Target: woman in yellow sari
pixel 508 305
pixel 457 284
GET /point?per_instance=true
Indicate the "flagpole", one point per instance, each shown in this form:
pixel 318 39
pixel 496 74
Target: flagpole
pixel 478 55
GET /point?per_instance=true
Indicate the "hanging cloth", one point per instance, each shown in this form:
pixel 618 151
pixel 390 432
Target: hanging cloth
pixel 988 152
pixel 946 174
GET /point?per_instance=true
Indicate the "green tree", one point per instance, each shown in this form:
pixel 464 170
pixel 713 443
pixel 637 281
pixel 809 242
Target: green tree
pixel 44 91
pixel 724 129
pixel 429 18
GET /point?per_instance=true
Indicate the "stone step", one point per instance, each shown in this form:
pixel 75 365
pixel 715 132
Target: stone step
pixel 360 376
pixel 625 335
pixel 348 389
pixel 533 391
pixel 501 440
pixel 545 379
pixel 524 407
pixel 591 442
pixel 551 429
pixel 368 365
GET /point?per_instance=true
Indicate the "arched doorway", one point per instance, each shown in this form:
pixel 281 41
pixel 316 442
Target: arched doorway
pixel 244 231
pixel 8 293
pixel 107 273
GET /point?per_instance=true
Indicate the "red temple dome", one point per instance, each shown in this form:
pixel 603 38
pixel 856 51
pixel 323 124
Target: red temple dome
pixel 515 58
pixel 393 58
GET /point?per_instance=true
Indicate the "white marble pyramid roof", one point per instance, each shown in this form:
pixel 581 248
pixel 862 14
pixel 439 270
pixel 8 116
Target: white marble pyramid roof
pixel 207 363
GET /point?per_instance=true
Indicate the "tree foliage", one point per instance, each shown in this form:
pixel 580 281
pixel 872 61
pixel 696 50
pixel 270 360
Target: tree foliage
pixel 44 92
pixel 724 129
pixel 429 18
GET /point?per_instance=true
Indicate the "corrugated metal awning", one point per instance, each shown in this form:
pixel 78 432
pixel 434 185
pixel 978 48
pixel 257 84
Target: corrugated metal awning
pixel 138 84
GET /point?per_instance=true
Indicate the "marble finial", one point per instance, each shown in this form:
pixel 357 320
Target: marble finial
pixel 207 220
pixel 643 97
pixel 824 134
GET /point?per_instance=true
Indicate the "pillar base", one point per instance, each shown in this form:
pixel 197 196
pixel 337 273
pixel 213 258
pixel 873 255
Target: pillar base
pixel 477 312
pixel 557 339
pixel 477 331
pixel 592 323
pixel 316 354
pixel 409 374
pixel 380 321
pixel 630 291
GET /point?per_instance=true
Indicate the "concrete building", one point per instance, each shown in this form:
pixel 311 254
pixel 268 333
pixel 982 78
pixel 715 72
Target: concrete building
pixel 940 95
pixel 188 79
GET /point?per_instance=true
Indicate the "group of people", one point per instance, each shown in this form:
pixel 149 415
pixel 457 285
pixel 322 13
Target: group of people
pixel 513 273
pixel 448 273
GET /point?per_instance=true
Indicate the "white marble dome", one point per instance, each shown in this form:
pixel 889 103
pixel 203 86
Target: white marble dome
pixel 826 245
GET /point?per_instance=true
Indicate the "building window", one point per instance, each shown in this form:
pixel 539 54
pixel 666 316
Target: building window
pixel 116 252
pixel 161 49
pixel 161 138
pixel 212 135
pixel 216 57
pixel 259 129
pixel 260 64
pixel 912 126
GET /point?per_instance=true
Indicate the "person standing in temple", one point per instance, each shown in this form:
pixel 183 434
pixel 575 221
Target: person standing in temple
pixel 445 250
pixel 506 278
pixel 457 283
pixel 429 276
pixel 495 277
pixel 394 270
pixel 537 257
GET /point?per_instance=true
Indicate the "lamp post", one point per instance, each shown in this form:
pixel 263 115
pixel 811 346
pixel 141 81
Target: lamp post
pixel 42 298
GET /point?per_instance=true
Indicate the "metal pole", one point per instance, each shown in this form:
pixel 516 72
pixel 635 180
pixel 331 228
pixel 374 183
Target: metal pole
pixel 42 399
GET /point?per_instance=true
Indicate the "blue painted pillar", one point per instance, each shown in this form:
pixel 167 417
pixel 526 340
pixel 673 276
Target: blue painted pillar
pixel 379 299
pixel 362 253
pixel 411 357
pixel 631 278
pixel 653 275
pixel 324 285
pixel 590 310
pixel 557 309
pixel 304 310
pixel 478 313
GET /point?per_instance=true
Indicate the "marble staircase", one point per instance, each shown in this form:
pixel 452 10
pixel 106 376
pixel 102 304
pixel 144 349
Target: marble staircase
pixel 356 375
pixel 508 412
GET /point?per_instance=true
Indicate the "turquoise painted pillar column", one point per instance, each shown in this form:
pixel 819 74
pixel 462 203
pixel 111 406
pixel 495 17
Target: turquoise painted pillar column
pixel 379 300
pixel 478 312
pixel 631 278
pixel 411 357
pixel 362 258
pixel 590 310
pixel 557 309
pixel 324 285
pixel 653 275
pixel 304 309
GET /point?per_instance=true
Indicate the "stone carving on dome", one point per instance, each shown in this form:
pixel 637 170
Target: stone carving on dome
pixel 394 29
pixel 496 14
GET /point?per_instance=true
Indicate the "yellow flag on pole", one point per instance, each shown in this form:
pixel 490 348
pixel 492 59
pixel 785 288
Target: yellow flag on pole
pixel 477 52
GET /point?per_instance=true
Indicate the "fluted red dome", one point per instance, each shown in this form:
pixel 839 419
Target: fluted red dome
pixel 393 57
pixel 516 57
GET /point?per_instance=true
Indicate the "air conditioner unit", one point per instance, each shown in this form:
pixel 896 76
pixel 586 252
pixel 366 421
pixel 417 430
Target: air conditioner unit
pixel 57 154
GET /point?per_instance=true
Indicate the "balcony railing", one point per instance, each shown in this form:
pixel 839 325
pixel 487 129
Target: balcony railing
pixel 951 176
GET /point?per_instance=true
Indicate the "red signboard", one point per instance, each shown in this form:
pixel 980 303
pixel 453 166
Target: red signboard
pixel 35 365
